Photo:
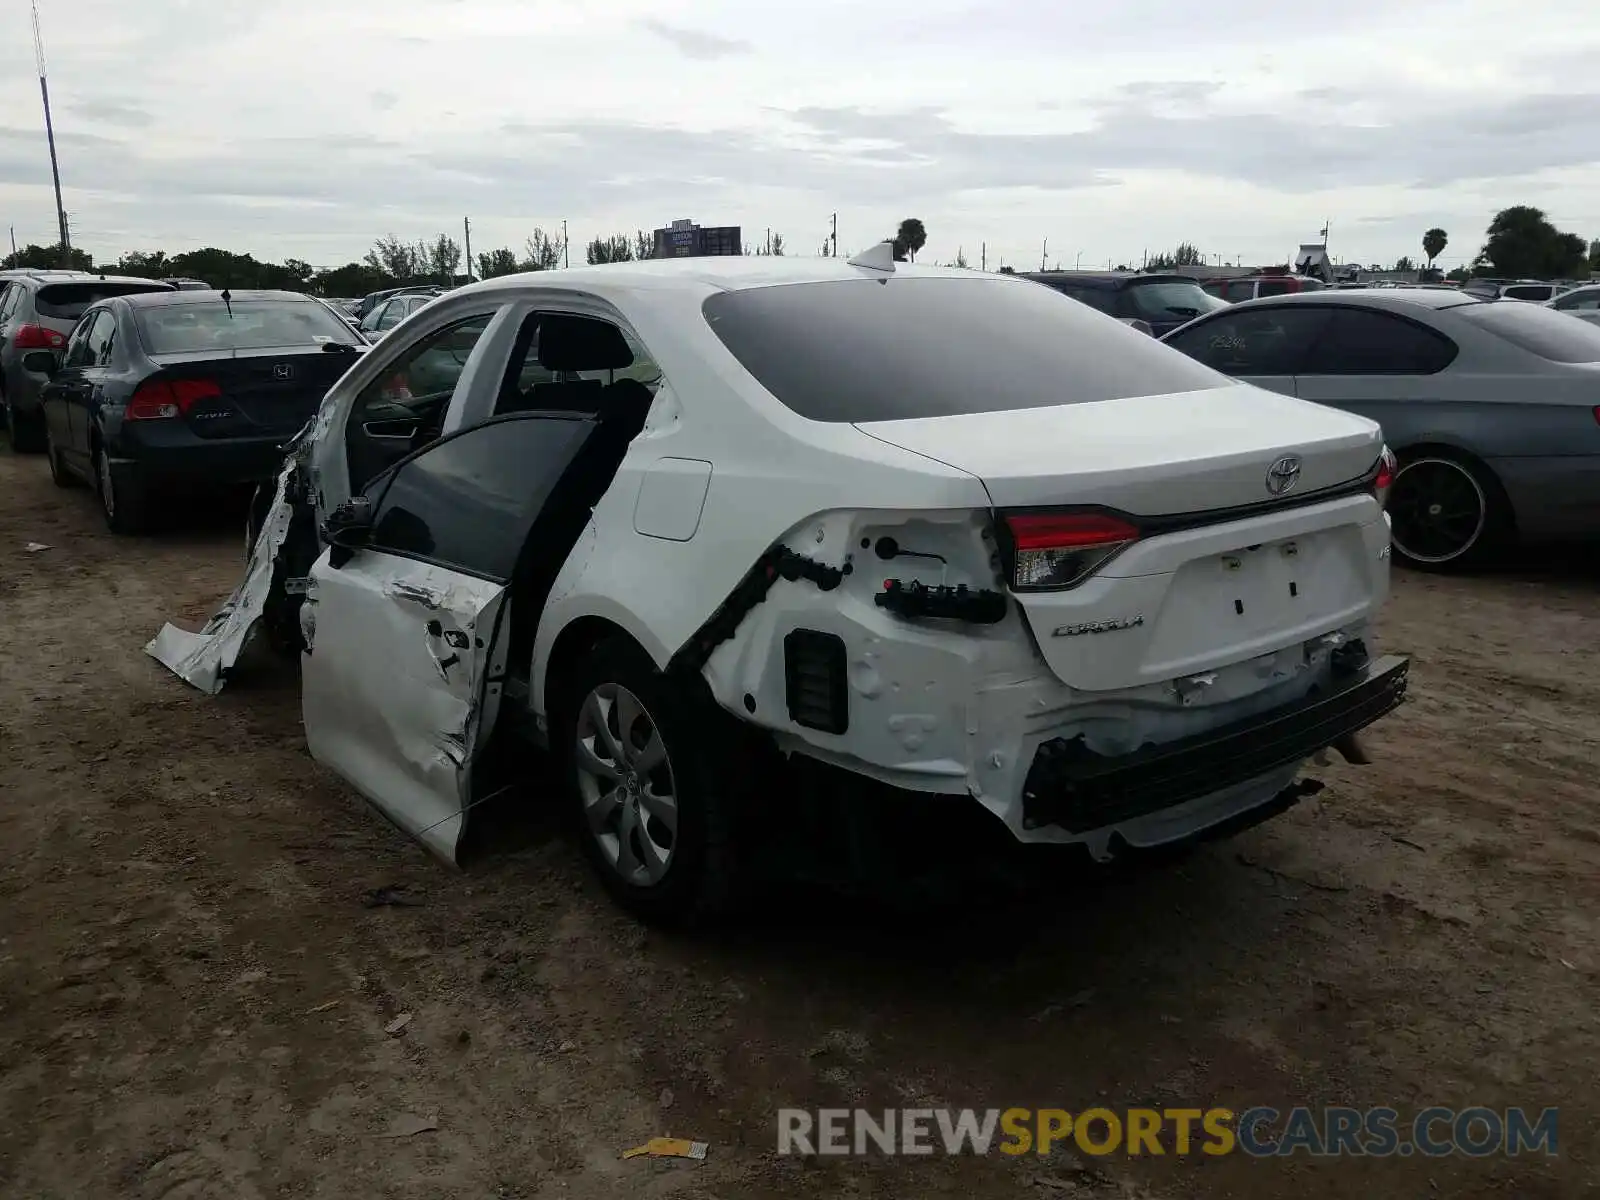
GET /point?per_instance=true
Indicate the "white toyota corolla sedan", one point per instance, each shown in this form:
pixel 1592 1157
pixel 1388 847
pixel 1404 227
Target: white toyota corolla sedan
pixel 946 531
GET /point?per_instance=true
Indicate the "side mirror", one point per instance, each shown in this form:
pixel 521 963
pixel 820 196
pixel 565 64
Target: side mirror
pixel 41 362
pixel 347 529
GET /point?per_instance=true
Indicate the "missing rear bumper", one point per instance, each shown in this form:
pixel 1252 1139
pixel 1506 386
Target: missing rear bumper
pixel 1080 790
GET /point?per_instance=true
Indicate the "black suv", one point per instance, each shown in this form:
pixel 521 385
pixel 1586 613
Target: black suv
pixel 1163 301
pixel 38 309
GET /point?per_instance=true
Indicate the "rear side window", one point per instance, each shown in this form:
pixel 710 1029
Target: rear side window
pixel 1538 292
pixel 192 327
pixel 1253 341
pixel 1551 335
pixel 67 301
pixel 1584 300
pixel 871 350
pixel 1275 287
pixel 1169 299
pixel 1241 290
pixel 1360 341
pixel 1101 299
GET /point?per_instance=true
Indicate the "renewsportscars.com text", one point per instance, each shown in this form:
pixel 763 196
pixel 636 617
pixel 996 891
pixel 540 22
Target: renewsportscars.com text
pixel 1259 1132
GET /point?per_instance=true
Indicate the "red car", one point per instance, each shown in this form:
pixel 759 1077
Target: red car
pixel 1249 287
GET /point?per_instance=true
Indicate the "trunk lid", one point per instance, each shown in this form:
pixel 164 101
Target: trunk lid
pixel 1148 455
pixel 271 392
pixel 1224 570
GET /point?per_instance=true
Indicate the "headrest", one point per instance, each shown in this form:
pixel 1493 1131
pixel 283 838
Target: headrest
pixel 581 344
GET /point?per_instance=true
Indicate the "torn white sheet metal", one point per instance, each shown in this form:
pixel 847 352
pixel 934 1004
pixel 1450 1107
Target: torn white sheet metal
pixel 396 692
pixel 204 658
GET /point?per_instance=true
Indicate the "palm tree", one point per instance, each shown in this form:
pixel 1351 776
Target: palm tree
pixel 1433 244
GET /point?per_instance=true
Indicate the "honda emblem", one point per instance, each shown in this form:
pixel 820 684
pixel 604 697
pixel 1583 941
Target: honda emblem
pixel 283 370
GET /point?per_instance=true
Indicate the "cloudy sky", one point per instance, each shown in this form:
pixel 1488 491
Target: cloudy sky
pixel 306 128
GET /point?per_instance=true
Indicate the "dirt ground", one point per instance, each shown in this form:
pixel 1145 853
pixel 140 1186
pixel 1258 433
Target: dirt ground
pixel 195 985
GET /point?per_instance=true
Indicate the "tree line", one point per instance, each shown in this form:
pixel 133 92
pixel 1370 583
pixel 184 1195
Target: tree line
pixel 1520 242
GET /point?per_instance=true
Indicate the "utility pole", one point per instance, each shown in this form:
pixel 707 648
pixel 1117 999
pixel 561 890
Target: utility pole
pixel 983 256
pixel 1043 251
pixel 50 136
pixel 566 259
pixel 13 242
pixel 466 231
pixel 834 236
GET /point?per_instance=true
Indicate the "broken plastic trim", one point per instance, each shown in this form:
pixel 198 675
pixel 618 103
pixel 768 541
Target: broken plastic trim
pixel 204 658
pixel 778 562
pixel 919 601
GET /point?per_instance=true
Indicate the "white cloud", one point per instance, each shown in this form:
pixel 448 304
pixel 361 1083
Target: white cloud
pixel 304 128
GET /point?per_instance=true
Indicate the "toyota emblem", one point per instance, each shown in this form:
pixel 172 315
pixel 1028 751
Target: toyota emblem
pixel 286 371
pixel 1283 475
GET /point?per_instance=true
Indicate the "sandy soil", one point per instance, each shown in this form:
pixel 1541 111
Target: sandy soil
pixel 195 988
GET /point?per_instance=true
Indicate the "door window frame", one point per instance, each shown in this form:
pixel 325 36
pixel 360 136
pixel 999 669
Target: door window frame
pixel 1225 314
pixel 1332 326
pixel 377 489
pixel 78 337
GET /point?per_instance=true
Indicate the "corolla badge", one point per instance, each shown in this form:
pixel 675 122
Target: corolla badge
pixel 1283 475
pixel 1111 626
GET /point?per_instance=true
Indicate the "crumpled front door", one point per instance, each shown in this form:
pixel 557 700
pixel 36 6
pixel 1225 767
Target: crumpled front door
pixel 402 683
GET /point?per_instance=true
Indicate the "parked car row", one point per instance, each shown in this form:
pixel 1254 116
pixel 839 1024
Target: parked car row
pixel 38 312
pixel 141 389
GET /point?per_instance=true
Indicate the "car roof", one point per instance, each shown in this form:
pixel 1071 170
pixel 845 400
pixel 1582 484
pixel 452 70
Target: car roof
pixel 1108 280
pixel 47 277
pixel 1394 299
pixel 152 300
pixel 709 274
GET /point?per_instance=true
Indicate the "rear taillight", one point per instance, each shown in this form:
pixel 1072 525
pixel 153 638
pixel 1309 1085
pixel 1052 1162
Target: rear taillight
pixel 1597 414
pixel 1383 475
pixel 161 399
pixel 37 337
pixel 1061 550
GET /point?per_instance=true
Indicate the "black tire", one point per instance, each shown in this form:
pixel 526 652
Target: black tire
pixel 124 499
pixel 1448 512
pixel 25 429
pixel 59 474
pixel 698 880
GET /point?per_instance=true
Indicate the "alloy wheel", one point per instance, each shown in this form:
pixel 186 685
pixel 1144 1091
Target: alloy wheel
pixel 630 798
pixel 1438 509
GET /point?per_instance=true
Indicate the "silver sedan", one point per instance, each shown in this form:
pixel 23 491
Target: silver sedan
pixel 1492 407
pixel 1580 302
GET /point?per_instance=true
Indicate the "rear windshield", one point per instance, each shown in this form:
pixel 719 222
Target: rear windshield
pixel 1551 335
pixel 252 325
pixel 871 350
pixel 1169 299
pixel 67 301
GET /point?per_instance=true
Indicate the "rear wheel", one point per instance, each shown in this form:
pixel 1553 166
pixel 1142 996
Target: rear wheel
pixel 648 787
pixel 123 497
pixel 1447 512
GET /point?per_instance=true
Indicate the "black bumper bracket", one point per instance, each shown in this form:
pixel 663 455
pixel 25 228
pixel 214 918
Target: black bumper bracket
pixel 1079 789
